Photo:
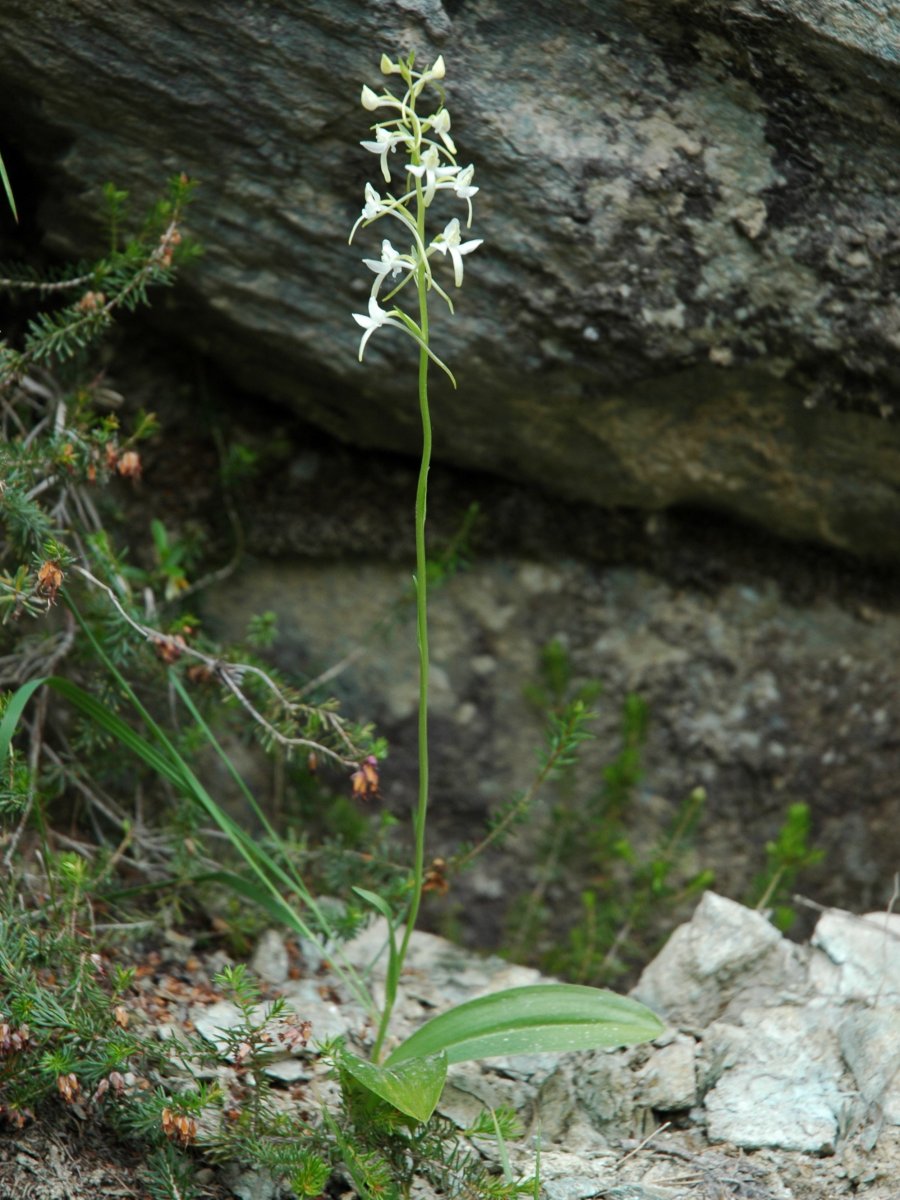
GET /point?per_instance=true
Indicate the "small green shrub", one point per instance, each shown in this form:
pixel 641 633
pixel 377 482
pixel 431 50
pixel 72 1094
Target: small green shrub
pixel 627 892
pixel 786 857
pixel 68 584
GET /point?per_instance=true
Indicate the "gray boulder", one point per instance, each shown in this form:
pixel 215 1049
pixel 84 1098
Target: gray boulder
pixel 717 964
pixel 687 289
pixel 792 1055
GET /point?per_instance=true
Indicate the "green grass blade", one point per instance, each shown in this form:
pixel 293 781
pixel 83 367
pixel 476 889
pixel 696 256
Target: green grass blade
pixel 7 187
pixel 197 717
pixel 556 1017
pixel 13 714
pixel 378 903
pixel 162 757
pixel 502 1151
pixel 288 874
pixel 277 908
pixel 168 763
pixel 103 716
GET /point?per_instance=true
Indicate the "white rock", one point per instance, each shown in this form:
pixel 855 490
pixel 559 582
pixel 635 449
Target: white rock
pixel 604 1087
pixel 778 1080
pixel 213 1021
pixel 251 1184
pixel 669 1079
pixel 870 1042
pixel 471 1088
pixel 328 1019
pixel 863 956
pixel 571 1177
pixel 642 1191
pixel 270 958
pixel 726 953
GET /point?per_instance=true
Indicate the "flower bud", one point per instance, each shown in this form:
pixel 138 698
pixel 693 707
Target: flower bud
pixel 91 302
pixel 49 581
pixel 438 70
pixel 368 99
pixel 364 781
pixel 387 66
pixel 129 465
pixel 68 1086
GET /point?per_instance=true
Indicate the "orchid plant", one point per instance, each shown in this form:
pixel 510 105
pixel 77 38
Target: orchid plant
pixel 428 152
pixel 546 1017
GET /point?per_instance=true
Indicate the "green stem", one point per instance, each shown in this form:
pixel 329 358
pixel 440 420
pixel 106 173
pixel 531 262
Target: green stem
pixel 421 581
pixel 773 883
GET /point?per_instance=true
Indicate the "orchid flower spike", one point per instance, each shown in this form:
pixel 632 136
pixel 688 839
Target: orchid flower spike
pixel 431 167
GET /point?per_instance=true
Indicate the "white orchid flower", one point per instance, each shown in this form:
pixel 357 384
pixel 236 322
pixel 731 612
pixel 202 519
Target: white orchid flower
pixel 462 186
pixel 377 317
pixel 374 204
pixel 440 124
pixel 391 263
pixel 432 171
pixel 373 207
pixel 385 142
pixel 449 241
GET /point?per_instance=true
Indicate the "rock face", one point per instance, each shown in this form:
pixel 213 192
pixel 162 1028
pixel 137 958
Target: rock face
pixel 757 696
pixel 687 291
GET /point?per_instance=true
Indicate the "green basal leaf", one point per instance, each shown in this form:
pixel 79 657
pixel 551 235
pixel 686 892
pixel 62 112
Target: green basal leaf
pixel 547 1017
pixel 414 1087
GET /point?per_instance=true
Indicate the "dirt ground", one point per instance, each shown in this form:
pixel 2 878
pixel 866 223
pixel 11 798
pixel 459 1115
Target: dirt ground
pixel 61 1161
pixel 64 1159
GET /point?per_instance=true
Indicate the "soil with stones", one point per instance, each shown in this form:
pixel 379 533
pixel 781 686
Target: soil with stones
pixel 616 1125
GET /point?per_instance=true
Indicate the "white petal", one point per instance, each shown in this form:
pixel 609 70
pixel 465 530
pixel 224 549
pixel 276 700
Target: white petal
pixel 457 265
